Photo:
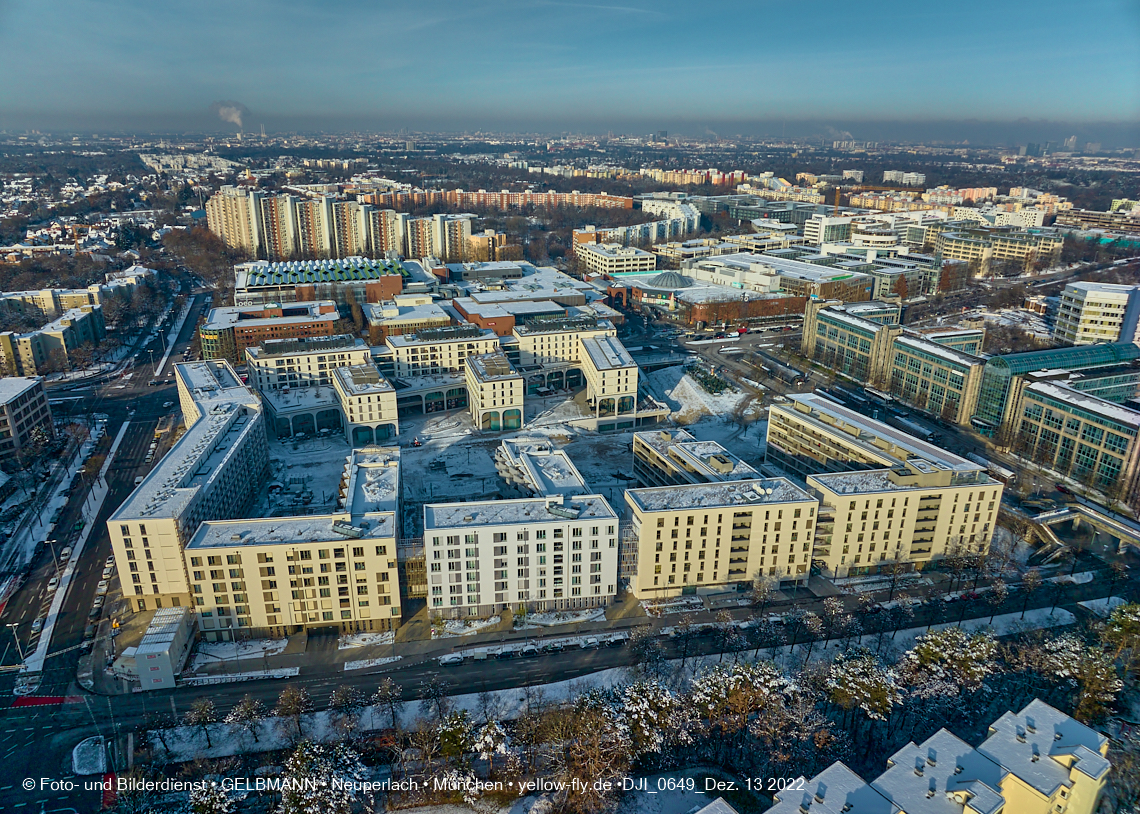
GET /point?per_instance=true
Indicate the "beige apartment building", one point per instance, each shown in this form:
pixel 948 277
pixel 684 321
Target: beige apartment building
pixel 611 377
pixel 494 393
pixel 699 536
pixel 24 409
pixel 368 404
pixel 885 496
pixel 557 340
pixel 674 457
pixel 613 258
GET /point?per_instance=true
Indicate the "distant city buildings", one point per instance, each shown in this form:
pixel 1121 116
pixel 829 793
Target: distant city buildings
pixel 910 179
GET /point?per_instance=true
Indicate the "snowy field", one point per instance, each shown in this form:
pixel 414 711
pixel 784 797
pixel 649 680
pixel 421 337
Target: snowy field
pixel 351 640
pixel 315 466
pixel 687 399
pixel 462 627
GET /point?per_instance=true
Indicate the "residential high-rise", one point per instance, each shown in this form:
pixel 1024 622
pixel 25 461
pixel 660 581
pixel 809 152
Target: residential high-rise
pixel 1098 312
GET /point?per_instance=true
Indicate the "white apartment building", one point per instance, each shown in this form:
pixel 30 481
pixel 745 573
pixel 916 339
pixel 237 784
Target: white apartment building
pixel 611 376
pixel 1098 312
pixel 494 393
pixel 278 364
pixel 214 470
pixel 434 351
pixel 613 258
pixel 544 553
pixel 701 536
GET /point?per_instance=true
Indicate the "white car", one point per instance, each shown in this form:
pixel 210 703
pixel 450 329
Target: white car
pixel 65 553
pixel 451 658
pixel 166 404
pixel 53 583
pixel 107 572
pixel 101 588
pixel 38 625
pixel 110 562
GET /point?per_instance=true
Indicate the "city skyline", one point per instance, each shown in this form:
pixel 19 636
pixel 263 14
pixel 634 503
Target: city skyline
pixel 588 67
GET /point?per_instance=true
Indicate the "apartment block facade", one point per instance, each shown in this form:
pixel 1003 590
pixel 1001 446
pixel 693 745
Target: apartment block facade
pixel 24 415
pixel 1097 312
pixel 545 553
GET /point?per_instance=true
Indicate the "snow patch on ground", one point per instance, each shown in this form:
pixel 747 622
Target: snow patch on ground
pixel 214 652
pixel 559 618
pixel 365 640
pixel 362 664
pixel 89 756
pixel 462 627
pixel 1103 607
pixel 687 399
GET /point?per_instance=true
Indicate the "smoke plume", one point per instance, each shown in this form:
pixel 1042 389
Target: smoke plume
pixel 230 112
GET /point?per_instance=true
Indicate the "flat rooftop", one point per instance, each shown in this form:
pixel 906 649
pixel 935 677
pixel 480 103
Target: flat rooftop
pixel 291 531
pixel 607 353
pixel 271 348
pixel 545 470
pixel 12 387
pixel 430 336
pixel 516 512
pixel 492 367
pixel 905 447
pixel 363 379
pixel 1069 396
pixel 727 494
pixel 162 630
pixel 564 324
pixel 372 480
pixel 924 345
pixel 292 314
pixel 294 272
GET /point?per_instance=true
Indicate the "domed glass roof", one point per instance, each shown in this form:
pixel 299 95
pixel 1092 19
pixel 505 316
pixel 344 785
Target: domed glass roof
pixel 670 279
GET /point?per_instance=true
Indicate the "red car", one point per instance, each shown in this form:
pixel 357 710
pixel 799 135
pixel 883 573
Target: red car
pixel 1062 488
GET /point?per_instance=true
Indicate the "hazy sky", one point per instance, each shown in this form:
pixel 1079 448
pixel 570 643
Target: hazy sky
pixel 561 64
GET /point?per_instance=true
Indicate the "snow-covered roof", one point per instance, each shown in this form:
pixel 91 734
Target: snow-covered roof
pixel 717 495
pixel 835 790
pixel 946 764
pixel 516 512
pixel 492 367
pixel 1040 730
pixel 359 380
pixel 1068 396
pixel 12 387
pixel 372 479
pixel 607 353
pixel 234 315
pixel 949 355
pixel 291 531
pixel 540 467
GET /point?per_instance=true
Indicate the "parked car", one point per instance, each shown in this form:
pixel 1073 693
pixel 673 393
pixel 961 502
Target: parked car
pixel 107 572
pixel 101 588
pixel 90 631
pixel 53 583
pixel 1062 488
pixel 166 404
pixel 451 658
pixel 589 644
pixel 554 647
pixel 38 625
pixel 110 562
pixel 506 653
pixel 79 524
pixel 65 552
pixel 529 650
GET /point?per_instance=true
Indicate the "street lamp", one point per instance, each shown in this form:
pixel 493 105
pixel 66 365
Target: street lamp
pixel 19 648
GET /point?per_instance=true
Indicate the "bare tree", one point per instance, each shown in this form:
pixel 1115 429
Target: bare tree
pixel 291 705
pixel 202 715
pixel 1030 585
pixel 388 696
pixel 248 713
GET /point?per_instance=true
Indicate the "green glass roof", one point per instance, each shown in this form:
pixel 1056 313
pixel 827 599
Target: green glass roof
pixel 1079 357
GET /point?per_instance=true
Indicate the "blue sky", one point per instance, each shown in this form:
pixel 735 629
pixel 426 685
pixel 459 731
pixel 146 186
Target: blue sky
pixel 561 64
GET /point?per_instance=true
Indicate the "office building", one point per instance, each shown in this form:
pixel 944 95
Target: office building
pixel 495 392
pixel 1080 436
pixel 935 379
pixel 853 338
pixel 356 279
pixel 720 534
pixel 403 314
pixel 1097 312
pixel 772 274
pixel 1122 220
pixel 228 331
pixel 25 416
pixel 1004 379
pixel 543 553
pixel 1036 761
pixel 985 247
pixel 613 258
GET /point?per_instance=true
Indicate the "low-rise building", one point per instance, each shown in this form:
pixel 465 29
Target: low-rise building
pixel 542 553
pixel 700 536
pixel 25 416
pixel 495 393
pixel 228 331
pixel 671 458
pixel 404 314
pixel 50 349
pixel 1097 312
pixel 161 654
pixel 613 258
pixel 362 279
pixel 368 404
